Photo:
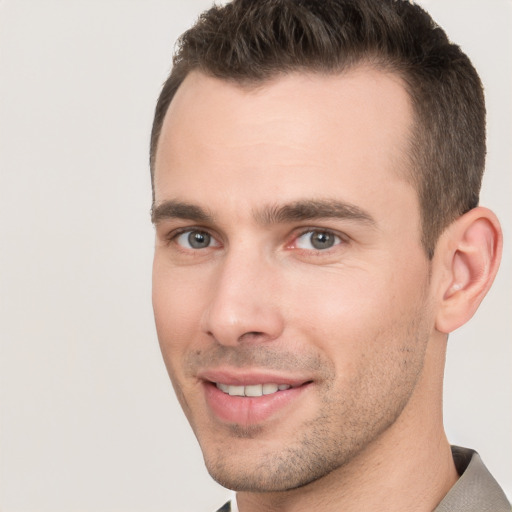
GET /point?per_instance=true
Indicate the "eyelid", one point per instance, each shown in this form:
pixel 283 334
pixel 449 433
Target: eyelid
pixel 171 236
pixel 343 239
pixel 174 234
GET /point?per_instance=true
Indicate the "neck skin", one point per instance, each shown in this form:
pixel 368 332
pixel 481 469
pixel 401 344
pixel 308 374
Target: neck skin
pixel 408 468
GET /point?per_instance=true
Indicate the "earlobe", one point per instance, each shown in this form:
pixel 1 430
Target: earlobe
pixel 471 249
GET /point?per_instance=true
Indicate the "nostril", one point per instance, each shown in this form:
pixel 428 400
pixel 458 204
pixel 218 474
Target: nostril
pixel 251 334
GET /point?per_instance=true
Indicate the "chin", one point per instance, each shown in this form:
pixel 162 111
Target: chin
pixel 260 470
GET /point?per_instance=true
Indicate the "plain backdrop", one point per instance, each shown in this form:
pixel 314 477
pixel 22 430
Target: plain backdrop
pixel 88 418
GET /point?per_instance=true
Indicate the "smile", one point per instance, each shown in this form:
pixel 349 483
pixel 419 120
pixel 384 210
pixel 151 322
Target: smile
pixel 252 390
pixel 252 399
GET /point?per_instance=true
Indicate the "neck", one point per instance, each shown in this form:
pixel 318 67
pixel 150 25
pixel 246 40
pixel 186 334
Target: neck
pixel 408 468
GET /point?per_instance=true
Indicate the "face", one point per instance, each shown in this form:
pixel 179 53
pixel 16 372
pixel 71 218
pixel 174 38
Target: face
pixel 290 287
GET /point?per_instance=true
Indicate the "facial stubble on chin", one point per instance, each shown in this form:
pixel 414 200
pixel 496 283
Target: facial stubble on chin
pixel 344 426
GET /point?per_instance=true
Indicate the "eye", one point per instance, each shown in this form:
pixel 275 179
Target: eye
pixel 195 239
pixel 317 240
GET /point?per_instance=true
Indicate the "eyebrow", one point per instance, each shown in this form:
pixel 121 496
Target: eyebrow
pixel 297 211
pixel 311 209
pixel 179 210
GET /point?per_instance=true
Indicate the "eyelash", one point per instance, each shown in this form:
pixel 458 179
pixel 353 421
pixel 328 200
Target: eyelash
pixel 173 236
pixel 340 239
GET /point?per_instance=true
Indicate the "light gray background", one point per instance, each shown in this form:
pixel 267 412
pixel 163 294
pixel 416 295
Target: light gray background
pixel 88 418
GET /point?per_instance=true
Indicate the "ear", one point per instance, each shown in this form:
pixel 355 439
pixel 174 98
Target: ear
pixel 470 253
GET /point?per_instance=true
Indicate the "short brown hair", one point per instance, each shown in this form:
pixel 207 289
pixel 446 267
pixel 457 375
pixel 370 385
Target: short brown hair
pixel 249 42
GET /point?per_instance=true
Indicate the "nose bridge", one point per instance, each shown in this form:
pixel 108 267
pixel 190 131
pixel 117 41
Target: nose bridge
pixel 243 301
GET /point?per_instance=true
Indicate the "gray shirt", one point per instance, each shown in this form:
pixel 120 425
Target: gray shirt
pixel 475 490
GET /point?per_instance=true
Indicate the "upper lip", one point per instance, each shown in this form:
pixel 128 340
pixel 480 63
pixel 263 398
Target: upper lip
pixel 241 377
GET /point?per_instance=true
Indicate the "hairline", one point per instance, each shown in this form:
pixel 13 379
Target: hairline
pixel 374 62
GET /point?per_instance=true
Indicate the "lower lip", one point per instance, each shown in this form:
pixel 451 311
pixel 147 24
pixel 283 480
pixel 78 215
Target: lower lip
pixel 249 410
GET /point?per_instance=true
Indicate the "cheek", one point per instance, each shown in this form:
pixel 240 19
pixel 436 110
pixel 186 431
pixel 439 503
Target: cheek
pixel 177 308
pixel 353 315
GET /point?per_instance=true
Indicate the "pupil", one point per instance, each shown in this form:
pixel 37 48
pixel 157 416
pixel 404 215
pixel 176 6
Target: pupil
pixel 322 240
pixel 199 239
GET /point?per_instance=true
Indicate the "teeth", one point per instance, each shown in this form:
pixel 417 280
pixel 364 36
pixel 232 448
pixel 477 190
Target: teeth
pixel 255 390
pixel 236 390
pixel 252 390
pixel 223 387
pixel 268 389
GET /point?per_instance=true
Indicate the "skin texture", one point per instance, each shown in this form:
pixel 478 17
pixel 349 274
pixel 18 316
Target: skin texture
pixel 355 322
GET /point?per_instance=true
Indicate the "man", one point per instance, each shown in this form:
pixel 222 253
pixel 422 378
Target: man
pixel 316 168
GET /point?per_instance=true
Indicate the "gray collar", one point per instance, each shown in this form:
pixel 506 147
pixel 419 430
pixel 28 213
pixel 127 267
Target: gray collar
pixel 476 490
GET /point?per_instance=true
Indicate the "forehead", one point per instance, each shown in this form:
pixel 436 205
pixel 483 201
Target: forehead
pixel 297 131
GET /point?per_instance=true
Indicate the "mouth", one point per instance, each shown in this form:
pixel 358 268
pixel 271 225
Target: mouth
pixel 252 390
pixel 251 399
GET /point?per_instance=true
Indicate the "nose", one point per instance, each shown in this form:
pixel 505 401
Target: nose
pixel 244 302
